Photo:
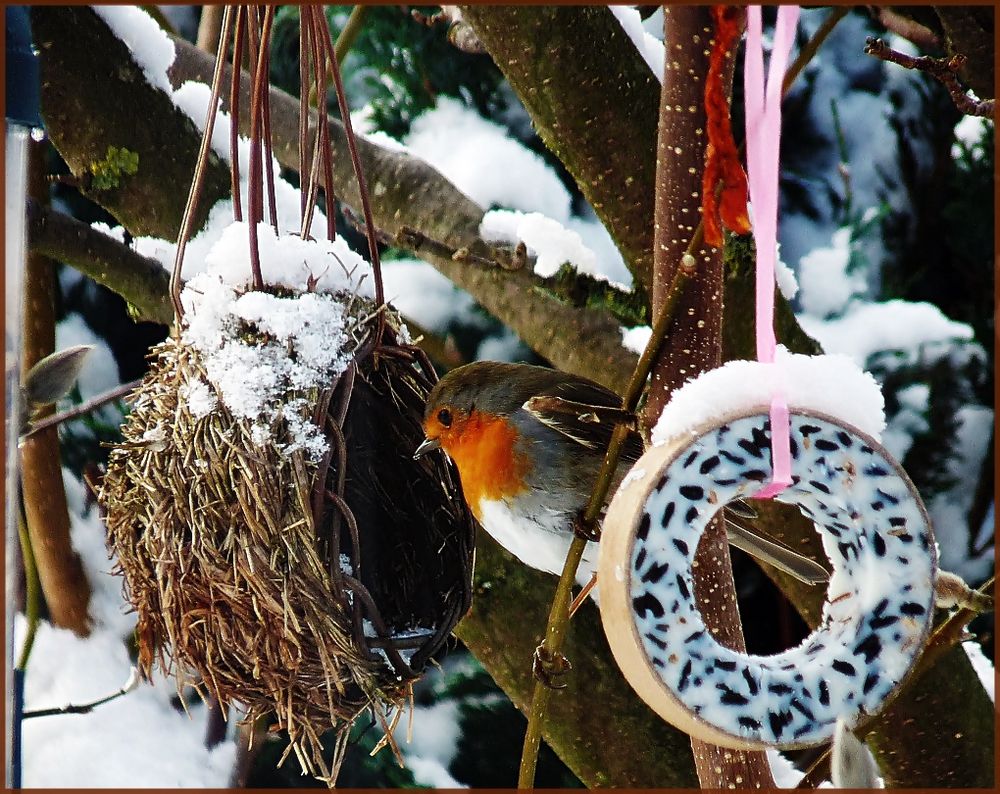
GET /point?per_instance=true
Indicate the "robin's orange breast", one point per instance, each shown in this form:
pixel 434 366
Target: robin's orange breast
pixel 488 462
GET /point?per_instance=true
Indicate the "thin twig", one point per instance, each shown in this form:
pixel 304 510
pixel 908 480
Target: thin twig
pixel 83 408
pixel 349 33
pixel 944 70
pixel 415 240
pixel 33 589
pixel 950 631
pixel 909 29
pixel 86 708
pixel 555 633
pixel 460 33
pixel 809 49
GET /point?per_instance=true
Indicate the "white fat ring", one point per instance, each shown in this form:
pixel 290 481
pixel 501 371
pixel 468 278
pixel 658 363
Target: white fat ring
pixel 879 603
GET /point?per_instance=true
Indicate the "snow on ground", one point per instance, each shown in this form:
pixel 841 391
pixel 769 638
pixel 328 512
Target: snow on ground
pixel 837 315
pixel 868 328
pixel 968 133
pixel 860 91
pixel 825 282
pixel 136 741
pixel 949 510
pixel 108 609
pixel 484 162
pixel 139 740
pixel 908 421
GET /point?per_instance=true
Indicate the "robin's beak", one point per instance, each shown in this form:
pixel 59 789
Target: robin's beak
pixel 428 445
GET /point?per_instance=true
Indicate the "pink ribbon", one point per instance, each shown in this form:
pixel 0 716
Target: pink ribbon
pixel 763 138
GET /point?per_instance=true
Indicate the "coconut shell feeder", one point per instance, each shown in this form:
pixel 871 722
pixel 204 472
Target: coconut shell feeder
pixel 311 586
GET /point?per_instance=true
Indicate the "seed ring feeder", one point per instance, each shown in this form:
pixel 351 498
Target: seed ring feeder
pixel 880 600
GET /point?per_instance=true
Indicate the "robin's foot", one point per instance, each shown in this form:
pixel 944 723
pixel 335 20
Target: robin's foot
pixel 581 530
pixel 547 667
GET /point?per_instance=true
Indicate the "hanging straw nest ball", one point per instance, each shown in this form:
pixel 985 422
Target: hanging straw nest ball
pixel 300 561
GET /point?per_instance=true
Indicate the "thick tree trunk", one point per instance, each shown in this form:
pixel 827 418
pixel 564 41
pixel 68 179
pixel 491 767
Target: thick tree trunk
pixel 694 342
pixel 64 584
pixel 593 101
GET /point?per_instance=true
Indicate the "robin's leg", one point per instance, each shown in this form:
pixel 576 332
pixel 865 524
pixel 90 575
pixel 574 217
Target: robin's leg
pixel 547 666
pixel 582 531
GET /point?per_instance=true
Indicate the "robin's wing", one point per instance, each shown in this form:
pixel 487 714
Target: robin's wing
pixel 586 423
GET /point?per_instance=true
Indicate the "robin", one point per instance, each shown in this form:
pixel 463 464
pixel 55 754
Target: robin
pixel 528 443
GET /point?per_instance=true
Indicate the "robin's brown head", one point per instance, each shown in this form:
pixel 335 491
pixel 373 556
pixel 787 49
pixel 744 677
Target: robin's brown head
pixel 483 389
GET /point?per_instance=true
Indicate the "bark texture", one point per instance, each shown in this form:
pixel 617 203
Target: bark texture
pixel 694 343
pixel 139 280
pixel 92 93
pixel 64 584
pixel 597 725
pixel 593 101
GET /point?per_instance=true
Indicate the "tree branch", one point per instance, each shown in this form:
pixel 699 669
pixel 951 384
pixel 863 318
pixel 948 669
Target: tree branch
pixel 969 31
pixel 598 725
pixel 405 190
pixel 64 584
pixel 945 70
pixel 138 279
pixel 87 73
pixel 593 101
pixel 695 342
pixel 909 29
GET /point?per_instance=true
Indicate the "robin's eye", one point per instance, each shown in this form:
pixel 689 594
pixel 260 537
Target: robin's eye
pixel 444 417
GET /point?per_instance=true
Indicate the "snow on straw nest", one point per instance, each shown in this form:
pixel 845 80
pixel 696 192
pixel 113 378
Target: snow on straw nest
pixel 278 542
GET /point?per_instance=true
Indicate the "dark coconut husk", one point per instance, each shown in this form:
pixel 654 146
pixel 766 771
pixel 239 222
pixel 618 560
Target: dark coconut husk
pixel 285 585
